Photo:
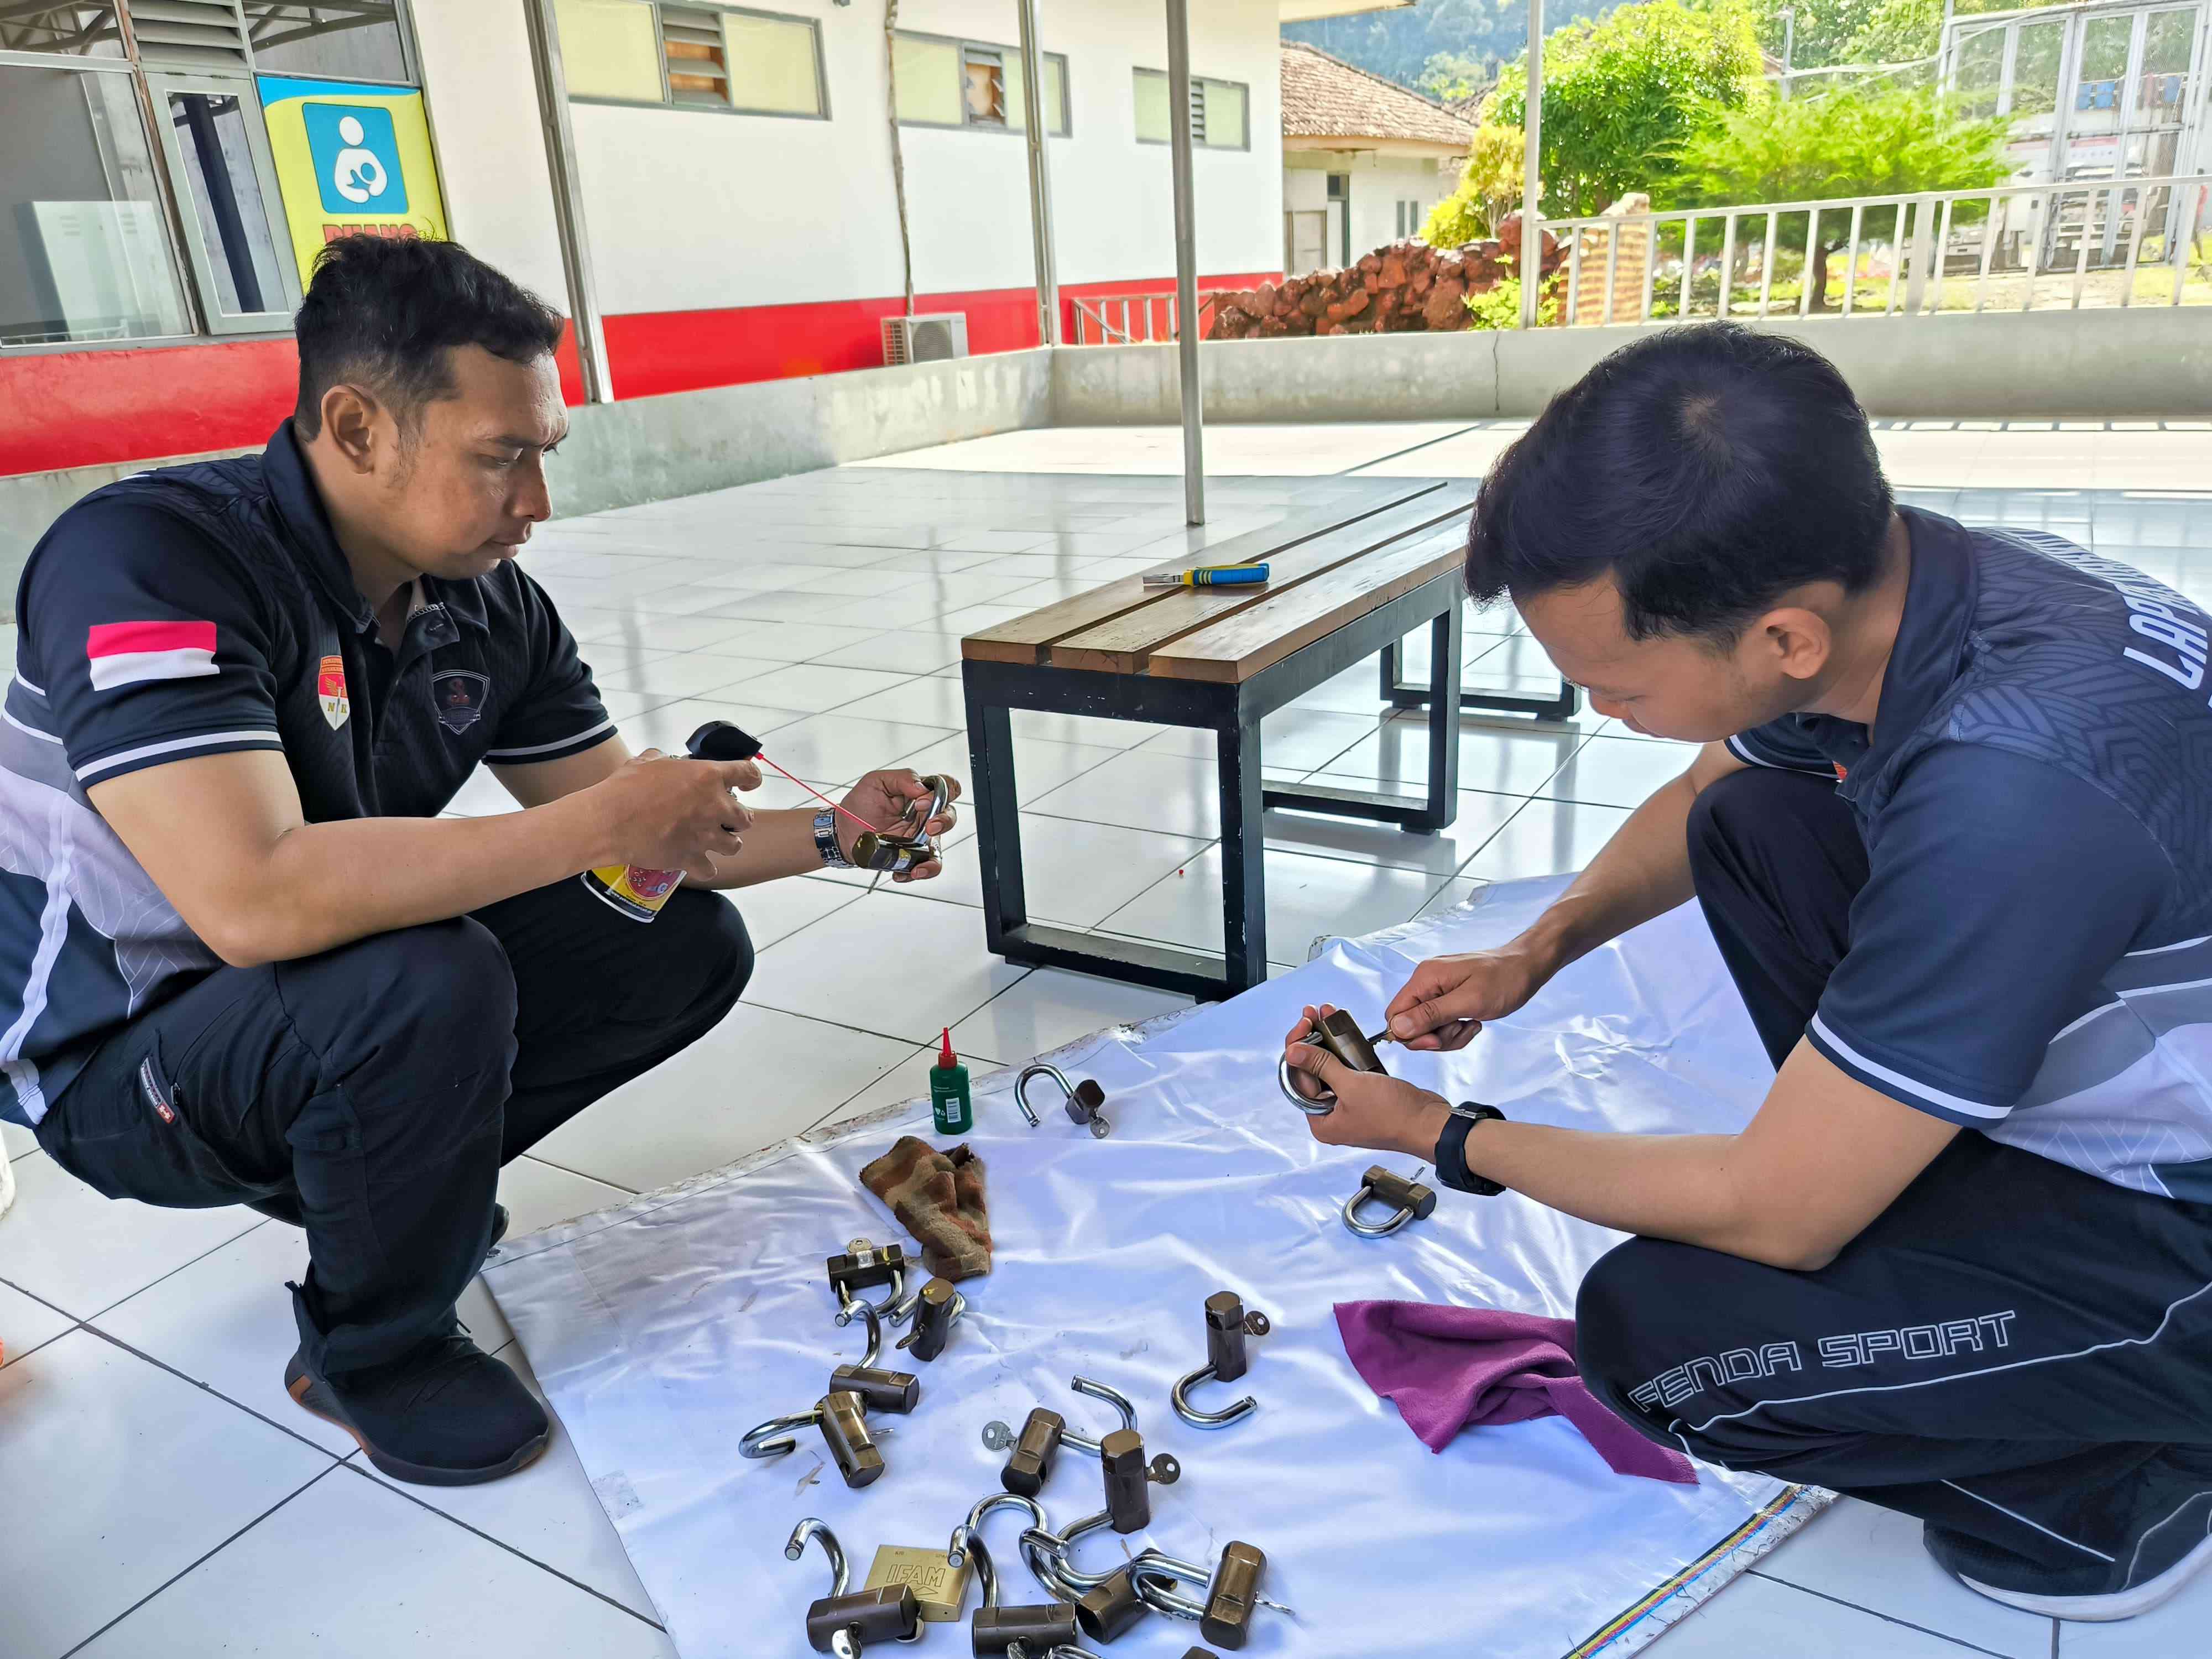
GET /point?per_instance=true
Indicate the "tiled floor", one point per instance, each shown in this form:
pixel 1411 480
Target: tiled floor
pixel 158 1495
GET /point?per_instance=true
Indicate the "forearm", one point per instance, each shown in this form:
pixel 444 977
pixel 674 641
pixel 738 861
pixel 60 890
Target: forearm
pixel 326 885
pixel 1642 872
pixel 1676 1187
pixel 779 842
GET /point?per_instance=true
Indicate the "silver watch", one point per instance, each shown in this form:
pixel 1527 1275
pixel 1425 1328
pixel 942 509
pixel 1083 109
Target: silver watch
pixel 825 839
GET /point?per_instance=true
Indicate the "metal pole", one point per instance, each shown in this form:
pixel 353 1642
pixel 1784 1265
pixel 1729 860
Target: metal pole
pixel 1186 218
pixel 1532 130
pixel 1789 47
pixel 1034 115
pixel 552 82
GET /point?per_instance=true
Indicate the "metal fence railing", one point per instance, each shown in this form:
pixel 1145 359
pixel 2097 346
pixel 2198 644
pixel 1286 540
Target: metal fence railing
pixel 1132 319
pixel 2082 243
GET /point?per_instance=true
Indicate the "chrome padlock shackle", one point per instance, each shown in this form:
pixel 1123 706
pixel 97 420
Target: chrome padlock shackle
pixel 842 1645
pixel 1059 1650
pixel 761 1440
pixel 1059 1546
pixel 886 850
pixel 1414 1201
pixel 1336 1033
pixel 1080 1109
pixel 1151 1570
pixel 1228 1322
pixel 1283 1080
pixel 966 1542
pixel 1113 1397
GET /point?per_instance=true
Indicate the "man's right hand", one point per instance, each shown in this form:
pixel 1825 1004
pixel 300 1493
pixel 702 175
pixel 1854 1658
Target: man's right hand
pixel 1448 999
pixel 663 813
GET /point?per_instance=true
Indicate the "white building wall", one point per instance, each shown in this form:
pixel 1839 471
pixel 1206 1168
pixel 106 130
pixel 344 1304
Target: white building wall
pixel 483 102
pixel 1378 184
pixel 699 209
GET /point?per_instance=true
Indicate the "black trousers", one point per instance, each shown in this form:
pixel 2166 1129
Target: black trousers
pixel 372 1092
pixel 2001 1352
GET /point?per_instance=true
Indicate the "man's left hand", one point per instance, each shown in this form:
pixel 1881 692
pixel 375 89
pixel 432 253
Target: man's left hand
pixel 889 799
pixel 1372 1109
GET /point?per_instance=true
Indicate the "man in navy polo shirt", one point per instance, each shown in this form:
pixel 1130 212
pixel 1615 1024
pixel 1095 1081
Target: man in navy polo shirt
pixel 1952 828
pixel 242 958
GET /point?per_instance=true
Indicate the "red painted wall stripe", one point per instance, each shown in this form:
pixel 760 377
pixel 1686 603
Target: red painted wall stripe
pixel 87 408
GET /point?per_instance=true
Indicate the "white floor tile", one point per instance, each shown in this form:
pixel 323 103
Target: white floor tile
pixel 841 746
pixel 975 618
pixel 913 608
pixel 686 674
pixel 1757 1616
pixel 902 650
pixel 908 1080
pixel 119 1476
pixel 1619 771
pixel 1506 763
pixel 26 1324
pixel 1039 768
pixel 1545 838
pixel 67 1245
pixel 16 1141
pixel 1479 817
pixel 350 1569
pixel 1306 896
pixel 813 689
pixel 1051 1007
pixel 790 642
pixel 759 1076
pixel 925 701
pixel 2178 1628
pixel 776 909
pixel 537 1195
pixel 1147 788
pixel 482 796
pixel 1074 874
pixel 652 633
pixel 893 963
pixel 227 1321
pixel 1872 1558
pixel 548 1511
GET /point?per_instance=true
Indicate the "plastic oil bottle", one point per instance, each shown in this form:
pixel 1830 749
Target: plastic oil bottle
pixel 949 1104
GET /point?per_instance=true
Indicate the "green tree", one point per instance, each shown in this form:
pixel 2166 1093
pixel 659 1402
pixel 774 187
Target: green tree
pixel 1450 79
pixel 1489 189
pixel 1824 32
pixel 1622 96
pixel 1900 31
pixel 1851 142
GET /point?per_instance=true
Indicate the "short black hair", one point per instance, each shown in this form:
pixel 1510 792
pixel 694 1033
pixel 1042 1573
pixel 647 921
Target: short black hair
pixel 1708 469
pixel 382 312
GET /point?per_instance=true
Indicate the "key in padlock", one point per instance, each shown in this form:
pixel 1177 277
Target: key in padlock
pixel 937 1308
pixel 863 1267
pixel 844 1623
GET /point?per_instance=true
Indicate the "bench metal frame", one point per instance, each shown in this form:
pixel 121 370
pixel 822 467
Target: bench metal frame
pixel 1233 714
pixel 1399 695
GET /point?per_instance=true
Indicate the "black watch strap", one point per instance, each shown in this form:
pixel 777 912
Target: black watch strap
pixel 1451 1150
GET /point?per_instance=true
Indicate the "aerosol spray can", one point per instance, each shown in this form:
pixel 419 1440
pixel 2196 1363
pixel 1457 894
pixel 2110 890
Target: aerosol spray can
pixel 636 892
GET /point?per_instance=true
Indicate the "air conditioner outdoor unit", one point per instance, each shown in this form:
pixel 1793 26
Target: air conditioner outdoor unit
pixel 931 339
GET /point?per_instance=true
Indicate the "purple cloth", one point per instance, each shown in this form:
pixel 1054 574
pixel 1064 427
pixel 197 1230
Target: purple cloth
pixel 1450 1368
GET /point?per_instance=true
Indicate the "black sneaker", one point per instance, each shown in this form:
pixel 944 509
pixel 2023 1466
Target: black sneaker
pixel 2170 1543
pixel 444 1414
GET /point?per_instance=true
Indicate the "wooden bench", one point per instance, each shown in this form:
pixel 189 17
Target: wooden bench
pixel 1349 579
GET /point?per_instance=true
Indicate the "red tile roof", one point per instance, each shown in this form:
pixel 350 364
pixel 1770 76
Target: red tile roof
pixel 1324 97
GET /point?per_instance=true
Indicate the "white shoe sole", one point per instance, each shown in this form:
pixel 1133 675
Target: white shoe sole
pixel 2103 1609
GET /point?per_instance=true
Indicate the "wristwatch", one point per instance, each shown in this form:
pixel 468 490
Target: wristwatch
pixel 825 839
pixel 1451 1157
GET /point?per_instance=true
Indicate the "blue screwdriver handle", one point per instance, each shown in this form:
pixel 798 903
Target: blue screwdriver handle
pixel 1228 575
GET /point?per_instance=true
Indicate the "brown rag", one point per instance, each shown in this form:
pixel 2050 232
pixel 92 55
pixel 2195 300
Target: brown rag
pixel 938 1198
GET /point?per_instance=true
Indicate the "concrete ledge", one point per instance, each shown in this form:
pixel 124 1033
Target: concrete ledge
pixel 2143 364
pixel 651 448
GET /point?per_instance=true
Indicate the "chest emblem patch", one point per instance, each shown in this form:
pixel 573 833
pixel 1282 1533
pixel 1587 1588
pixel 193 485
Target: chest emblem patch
pixel 330 691
pixel 457 694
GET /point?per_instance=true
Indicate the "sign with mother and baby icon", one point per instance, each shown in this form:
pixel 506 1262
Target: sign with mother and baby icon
pixel 352 160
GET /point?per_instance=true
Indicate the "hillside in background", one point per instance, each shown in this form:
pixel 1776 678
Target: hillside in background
pixel 1437 46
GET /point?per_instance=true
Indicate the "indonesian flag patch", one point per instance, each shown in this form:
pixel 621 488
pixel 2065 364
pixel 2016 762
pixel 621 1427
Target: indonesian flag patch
pixel 330 688
pixel 132 653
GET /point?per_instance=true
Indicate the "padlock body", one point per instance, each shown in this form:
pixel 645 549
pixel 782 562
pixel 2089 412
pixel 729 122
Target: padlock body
pixel 1224 1336
pixel 1340 1035
pixel 890 1614
pixel 1110 1610
pixel 994 1630
pixel 1128 1484
pixel 1233 1596
pixel 896 1391
pixel 932 1320
pixel 1029 1466
pixel 845 1430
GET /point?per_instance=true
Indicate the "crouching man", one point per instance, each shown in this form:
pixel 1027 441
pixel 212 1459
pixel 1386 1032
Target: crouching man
pixel 242 958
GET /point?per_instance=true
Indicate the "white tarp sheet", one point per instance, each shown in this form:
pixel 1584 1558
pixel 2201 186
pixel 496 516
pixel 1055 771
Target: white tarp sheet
pixel 664 1329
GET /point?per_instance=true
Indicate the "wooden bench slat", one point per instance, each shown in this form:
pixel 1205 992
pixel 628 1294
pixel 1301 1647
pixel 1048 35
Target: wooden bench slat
pixel 1235 649
pixel 1123 644
pixel 1025 639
